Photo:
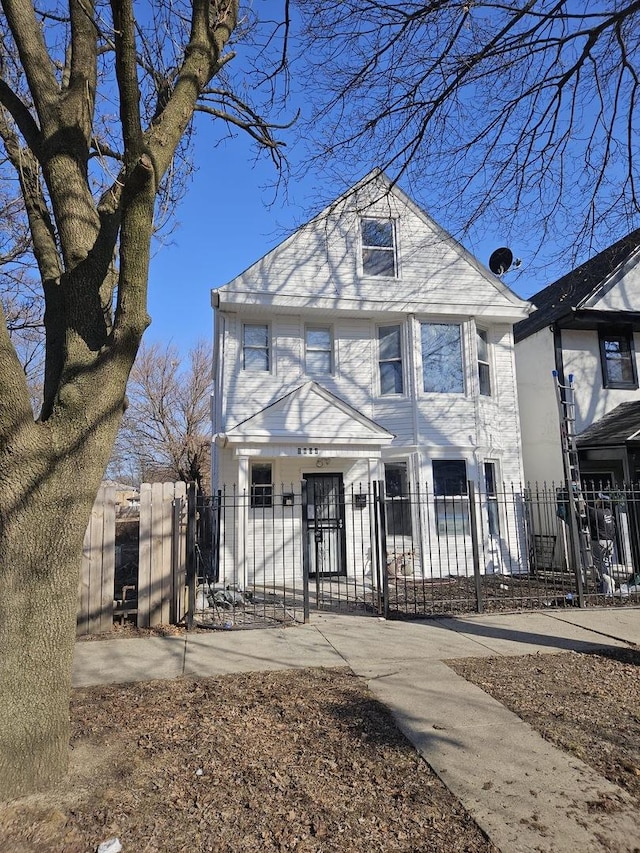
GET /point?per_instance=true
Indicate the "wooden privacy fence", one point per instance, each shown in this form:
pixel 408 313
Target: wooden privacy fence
pixel 162 560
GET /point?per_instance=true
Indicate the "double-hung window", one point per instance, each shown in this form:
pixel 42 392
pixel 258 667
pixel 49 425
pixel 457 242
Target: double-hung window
pixel 378 247
pixel 617 356
pixel 398 501
pixel 255 347
pixel 493 515
pixel 442 367
pixel 261 484
pixel 484 371
pixel 451 497
pixel 390 359
pixel 318 350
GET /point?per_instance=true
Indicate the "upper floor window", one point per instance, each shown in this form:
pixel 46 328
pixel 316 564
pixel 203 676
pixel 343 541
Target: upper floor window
pixel 390 359
pixel 261 484
pixel 318 350
pixel 255 347
pixel 617 357
pixel 484 372
pixel 378 247
pixel 442 369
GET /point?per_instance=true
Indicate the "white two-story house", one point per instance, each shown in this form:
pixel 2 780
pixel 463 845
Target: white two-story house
pixel 368 346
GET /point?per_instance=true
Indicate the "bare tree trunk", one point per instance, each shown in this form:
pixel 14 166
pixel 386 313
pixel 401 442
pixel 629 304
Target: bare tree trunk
pixel 43 517
pixel 92 253
pixel 35 668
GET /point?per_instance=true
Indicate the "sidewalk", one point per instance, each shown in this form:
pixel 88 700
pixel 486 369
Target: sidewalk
pixel 528 796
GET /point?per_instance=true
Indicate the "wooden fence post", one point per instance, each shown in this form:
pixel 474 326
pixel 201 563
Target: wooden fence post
pixel 179 554
pixel 157 554
pixel 162 559
pixel 97 573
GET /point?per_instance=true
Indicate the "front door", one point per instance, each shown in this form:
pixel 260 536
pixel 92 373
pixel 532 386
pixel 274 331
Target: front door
pixel 324 522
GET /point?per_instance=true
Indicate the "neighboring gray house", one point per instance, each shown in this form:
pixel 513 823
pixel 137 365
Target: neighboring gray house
pixel 368 345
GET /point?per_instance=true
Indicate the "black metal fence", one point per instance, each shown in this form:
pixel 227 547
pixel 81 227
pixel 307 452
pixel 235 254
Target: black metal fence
pixel 279 552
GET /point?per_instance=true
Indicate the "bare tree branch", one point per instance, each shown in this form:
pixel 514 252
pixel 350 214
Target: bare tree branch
pixel 165 428
pixel 513 111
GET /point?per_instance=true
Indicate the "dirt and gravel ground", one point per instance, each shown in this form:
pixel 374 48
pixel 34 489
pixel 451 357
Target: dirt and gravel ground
pixel 301 760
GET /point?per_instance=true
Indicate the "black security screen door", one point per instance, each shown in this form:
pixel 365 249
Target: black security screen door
pixel 325 525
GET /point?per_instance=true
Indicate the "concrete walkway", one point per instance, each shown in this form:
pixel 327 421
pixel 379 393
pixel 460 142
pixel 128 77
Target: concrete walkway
pixel 528 796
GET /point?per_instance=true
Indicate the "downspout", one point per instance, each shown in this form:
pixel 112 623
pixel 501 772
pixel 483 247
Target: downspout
pixel 415 461
pixel 415 378
pixel 557 351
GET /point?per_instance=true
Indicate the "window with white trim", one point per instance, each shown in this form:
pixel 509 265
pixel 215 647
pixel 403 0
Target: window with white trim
pixel 318 350
pixel 442 365
pixel 378 247
pixel 261 484
pixel 398 501
pixel 451 497
pixel 484 369
pixel 256 346
pixel 491 489
pixel 390 359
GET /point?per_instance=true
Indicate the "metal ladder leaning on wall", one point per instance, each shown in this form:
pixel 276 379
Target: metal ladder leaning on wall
pixel 578 517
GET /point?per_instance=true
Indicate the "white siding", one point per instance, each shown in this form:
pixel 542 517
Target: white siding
pixel 320 266
pixel 315 277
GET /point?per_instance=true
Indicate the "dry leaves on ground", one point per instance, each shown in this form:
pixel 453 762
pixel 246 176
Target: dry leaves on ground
pixel 587 704
pixel 301 761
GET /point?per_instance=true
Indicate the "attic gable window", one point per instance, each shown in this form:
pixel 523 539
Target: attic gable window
pixel 378 247
pixel 255 347
pixel 617 357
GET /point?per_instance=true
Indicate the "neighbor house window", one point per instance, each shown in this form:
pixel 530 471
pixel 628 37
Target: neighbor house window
pixel 255 347
pixel 390 359
pixel 261 484
pixel 617 357
pixel 451 497
pixel 318 350
pixel 442 369
pixel 484 373
pixel 378 247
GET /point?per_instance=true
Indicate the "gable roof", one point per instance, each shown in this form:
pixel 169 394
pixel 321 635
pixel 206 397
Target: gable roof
pixel 618 426
pixel 309 413
pixel 315 266
pixel 570 292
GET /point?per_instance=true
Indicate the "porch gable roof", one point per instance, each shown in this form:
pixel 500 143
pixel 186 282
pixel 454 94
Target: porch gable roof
pixel 308 414
pixel 617 427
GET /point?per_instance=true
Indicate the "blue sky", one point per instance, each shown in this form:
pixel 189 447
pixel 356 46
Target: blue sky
pixel 228 220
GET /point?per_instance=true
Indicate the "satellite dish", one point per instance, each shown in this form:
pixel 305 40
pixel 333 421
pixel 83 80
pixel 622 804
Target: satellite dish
pixel 500 260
